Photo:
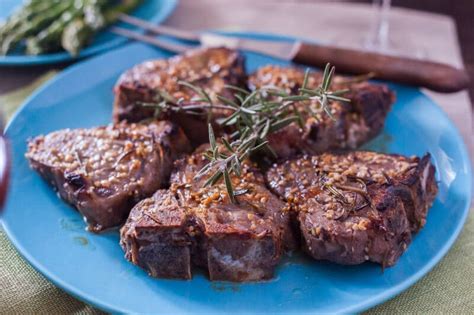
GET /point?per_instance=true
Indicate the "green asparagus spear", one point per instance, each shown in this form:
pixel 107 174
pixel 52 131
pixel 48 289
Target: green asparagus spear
pixel 80 32
pixel 49 39
pixel 93 13
pixel 25 13
pixel 76 35
pixel 49 25
pixel 35 26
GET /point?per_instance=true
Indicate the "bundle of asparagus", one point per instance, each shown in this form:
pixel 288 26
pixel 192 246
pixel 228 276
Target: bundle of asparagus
pixel 52 25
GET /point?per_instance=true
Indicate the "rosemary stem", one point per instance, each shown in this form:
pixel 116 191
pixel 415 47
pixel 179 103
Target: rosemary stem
pixel 254 115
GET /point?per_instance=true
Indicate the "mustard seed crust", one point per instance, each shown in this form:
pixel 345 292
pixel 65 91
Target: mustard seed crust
pixel 359 206
pixel 352 123
pixel 192 224
pixel 104 171
pixel 207 68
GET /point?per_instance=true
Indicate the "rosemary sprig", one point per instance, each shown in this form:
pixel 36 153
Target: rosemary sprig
pixel 255 115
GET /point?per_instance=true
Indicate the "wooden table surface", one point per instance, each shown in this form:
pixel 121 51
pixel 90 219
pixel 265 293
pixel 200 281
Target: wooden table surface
pixel 462 11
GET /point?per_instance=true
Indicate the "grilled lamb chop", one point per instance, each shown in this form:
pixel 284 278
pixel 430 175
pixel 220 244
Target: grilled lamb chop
pixel 209 68
pixel 358 206
pixel 105 171
pixel 352 123
pixel 189 224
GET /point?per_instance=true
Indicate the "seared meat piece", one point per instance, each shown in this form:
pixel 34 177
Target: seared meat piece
pixel 192 224
pixel 358 206
pixel 209 68
pixel 352 124
pixel 105 171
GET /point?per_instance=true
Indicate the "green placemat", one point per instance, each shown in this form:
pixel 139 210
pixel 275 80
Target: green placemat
pixel 447 289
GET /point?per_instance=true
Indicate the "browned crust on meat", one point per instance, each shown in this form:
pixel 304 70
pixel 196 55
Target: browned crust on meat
pixel 208 68
pixel 353 123
pixel 234 242
pixel 104 171
pixel 358 206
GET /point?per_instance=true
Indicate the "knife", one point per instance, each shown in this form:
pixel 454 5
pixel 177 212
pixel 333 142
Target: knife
pixel 428 74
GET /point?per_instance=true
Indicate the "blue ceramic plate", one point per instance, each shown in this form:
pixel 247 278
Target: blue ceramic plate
pixel 51 235
pixel 155 11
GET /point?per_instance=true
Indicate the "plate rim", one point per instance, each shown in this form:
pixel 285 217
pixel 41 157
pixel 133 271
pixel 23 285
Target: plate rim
pixel 359 307
pixel 168 8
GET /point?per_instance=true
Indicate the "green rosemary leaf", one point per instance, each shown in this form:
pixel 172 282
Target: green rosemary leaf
pixel 239 98
pixel 244 133
pixel 248 111
pixel 328 80
pixel 236 88
pixel 259 146
pixel 305 79
pixel 276 92
pixel 215 154
pixel 227 101
pixel 230 120
pixel 257 107
pixel 207 156
pixel 197 90
pixel 237 166
pixel 271 151
pixel 295 98
pixel 327 69
pixel 198 99
pixel 328 112
pixel 246 144
pixel 300 117
pixel 246 119
pixel 212 138
pixel 265 130
pixel 203 171
pixel 249 98
pixel 310 92
pixel 227 145
pixel 213 179
pixel 282 123
pixel 206 96
pixel 338 98
pixel 228 185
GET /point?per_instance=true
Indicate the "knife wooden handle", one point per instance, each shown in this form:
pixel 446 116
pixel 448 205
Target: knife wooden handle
pixel 432 75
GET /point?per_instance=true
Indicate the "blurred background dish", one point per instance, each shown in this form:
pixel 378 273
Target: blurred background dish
pixel 155 11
